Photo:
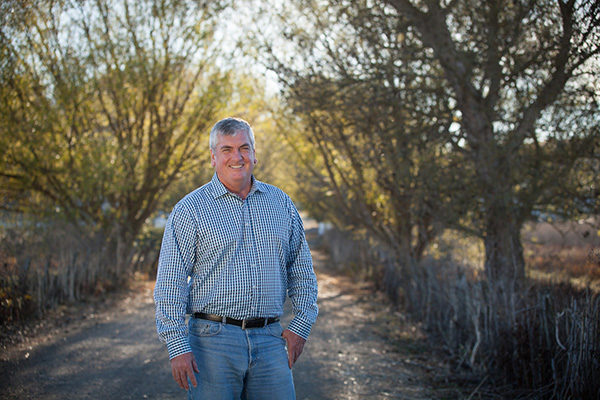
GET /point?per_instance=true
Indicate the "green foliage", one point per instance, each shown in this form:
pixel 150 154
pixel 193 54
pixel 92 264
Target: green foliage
pixel 101 104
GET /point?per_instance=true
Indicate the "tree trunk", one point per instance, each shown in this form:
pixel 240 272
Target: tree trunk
pixel 503 248
pixel 120 253
pixel 124 256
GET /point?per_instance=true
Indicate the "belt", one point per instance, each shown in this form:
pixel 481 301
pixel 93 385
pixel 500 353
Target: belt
pixel 244 323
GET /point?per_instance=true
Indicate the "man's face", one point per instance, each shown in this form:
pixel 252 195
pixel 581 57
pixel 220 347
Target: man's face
pixel 234 160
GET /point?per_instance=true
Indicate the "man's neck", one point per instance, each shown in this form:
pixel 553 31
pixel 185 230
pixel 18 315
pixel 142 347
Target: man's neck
pixel 241 191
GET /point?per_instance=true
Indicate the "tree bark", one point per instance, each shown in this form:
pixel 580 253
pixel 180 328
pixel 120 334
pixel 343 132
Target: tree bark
pixel 503 250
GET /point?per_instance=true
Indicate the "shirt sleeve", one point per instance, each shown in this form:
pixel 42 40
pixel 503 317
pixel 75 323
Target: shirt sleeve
pixel 171 291
pixel 302 282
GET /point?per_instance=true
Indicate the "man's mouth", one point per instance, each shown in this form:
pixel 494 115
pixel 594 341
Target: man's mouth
pixel 236 166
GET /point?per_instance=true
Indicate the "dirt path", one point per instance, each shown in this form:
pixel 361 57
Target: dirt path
pixel 114 353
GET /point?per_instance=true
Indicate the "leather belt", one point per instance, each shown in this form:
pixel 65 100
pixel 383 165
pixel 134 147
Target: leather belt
pixel 244 323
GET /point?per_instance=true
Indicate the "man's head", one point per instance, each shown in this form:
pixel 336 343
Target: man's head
pixel 230 127
pixel 232 154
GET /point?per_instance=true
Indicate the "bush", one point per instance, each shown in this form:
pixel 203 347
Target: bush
pixel 43 264
pixel 541 339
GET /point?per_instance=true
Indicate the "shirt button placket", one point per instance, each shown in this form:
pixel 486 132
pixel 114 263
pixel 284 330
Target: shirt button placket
pixel 247 273
pixel 252 267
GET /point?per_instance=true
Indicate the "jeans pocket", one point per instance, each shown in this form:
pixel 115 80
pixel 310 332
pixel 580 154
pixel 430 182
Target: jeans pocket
pixel 276 330
pixel 204 328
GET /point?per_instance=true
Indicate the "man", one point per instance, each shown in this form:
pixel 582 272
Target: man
pixel 232 249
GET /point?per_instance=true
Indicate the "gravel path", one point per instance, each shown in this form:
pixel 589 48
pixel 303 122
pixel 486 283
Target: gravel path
pixel 114 353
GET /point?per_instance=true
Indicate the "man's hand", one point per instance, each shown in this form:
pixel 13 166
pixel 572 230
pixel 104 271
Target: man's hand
pixel 182 367
pixel 295 344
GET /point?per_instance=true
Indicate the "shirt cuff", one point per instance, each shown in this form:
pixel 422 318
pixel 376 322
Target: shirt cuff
pixel 300 328
pixel 177 347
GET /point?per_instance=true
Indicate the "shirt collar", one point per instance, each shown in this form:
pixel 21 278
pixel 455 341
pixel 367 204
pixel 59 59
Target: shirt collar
pixel 218 189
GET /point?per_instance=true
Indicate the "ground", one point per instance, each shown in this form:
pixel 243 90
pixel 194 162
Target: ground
pixel 360 348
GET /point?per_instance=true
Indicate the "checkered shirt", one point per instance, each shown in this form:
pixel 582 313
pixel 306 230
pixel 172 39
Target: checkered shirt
pixel 232 257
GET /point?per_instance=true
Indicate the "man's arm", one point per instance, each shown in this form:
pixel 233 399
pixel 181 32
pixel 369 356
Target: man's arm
pixel 171 291
pixel 302 289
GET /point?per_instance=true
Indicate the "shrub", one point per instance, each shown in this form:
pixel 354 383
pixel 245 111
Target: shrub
pixel 542 339
pixel 43 264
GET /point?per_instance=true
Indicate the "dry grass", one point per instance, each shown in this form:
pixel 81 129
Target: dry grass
pixel 533 339
pixel 564 252
pixel 46 265
pixel 557 252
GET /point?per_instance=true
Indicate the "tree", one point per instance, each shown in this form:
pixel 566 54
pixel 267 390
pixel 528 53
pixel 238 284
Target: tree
pixel 499 77
pixel 101 107
pixel 378 120
pixel 506 62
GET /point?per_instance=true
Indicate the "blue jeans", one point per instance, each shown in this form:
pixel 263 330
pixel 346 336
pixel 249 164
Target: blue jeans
pixel 249 364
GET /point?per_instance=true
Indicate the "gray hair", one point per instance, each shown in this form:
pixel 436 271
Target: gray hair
pixel 230 127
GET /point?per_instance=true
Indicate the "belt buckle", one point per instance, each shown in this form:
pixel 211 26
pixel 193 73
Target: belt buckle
pixel 244 324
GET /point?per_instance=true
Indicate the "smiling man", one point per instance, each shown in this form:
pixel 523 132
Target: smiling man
pixel 232 251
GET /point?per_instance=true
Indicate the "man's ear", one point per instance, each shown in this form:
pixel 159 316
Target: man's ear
pixel 213 161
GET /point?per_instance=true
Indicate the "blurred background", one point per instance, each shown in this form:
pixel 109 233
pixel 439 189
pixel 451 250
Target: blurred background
pixel 449 148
